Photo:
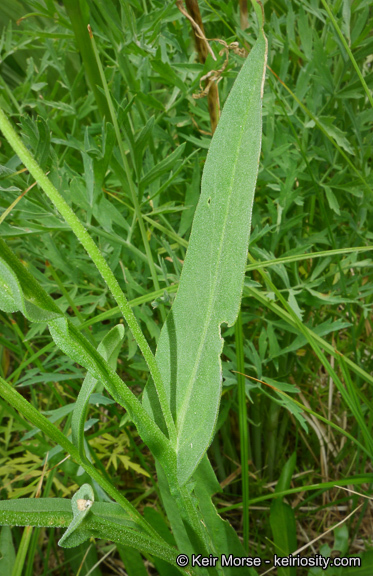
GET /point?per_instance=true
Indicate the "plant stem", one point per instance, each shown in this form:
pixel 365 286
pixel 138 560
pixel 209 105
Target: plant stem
pixel 255 415
pixel 244 20
pixel 347 48
pixel 16 400
pixel 22 552
pixel 79 26
pixel 244 432
pixel 201 44
pixel 272 434
pixel 127 170
pixel 97 258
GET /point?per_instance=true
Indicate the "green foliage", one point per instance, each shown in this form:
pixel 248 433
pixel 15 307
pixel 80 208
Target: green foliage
pixel 282 519
pixel 7 551
pixel 118 125
pixel 104 520
pixel 210 287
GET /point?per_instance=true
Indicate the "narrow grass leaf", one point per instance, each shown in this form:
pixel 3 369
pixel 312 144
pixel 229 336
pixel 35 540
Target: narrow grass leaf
pixel 282 518
pixel 284 531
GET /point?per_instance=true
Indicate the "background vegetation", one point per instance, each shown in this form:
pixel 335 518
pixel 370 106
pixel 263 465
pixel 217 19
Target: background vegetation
pixel 307 306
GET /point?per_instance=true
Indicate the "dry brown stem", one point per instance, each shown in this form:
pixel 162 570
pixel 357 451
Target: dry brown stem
pixel 244 20
pixel 203 49
pixel 214 76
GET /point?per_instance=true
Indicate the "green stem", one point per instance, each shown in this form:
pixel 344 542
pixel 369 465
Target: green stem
pixel 22 552
pixel 79 26
pixel 325 132
pixel 321 356
pixel 244 432
pixel 255 414
pixel 347 48
pixel 100 262
pixel 132 187
pixel 16 400
pixel 271 436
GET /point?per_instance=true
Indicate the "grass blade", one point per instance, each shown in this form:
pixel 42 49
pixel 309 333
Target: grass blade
pixel 244 430
pixel 347 48
pixel 95 254
pixel 79 25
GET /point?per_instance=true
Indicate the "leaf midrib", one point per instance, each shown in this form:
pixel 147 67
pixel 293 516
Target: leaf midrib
pixel 185 404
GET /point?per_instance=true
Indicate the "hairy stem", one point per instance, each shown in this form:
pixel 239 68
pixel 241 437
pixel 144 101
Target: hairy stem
pixel 97 258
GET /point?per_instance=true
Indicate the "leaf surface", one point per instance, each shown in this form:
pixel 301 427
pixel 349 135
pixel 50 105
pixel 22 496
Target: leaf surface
pixel 210 289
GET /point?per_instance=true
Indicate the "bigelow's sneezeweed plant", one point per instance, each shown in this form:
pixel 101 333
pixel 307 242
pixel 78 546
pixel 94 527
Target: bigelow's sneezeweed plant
pixel 178 413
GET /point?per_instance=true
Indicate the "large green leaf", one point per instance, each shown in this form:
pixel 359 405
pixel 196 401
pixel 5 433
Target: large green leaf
pixel 210 289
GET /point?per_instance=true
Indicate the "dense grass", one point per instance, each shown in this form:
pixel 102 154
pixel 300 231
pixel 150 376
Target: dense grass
pixel 306 317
